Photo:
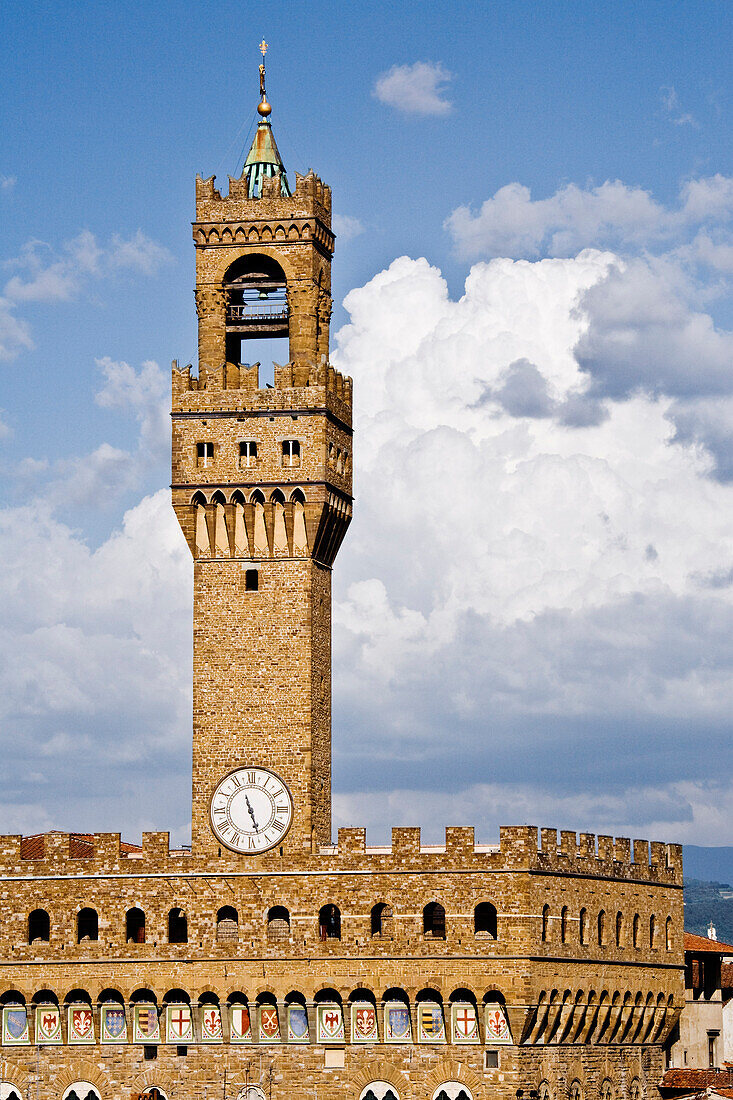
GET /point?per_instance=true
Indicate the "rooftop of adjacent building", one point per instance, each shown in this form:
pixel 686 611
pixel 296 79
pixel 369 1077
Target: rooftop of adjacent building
pixel 699 1082
pixel 700 944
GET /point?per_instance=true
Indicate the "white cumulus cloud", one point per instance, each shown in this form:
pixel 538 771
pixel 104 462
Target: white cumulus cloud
pixel 512 223
pixel 417 89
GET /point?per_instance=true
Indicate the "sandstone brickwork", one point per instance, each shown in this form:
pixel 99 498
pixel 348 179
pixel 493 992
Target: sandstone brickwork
pixel 576 942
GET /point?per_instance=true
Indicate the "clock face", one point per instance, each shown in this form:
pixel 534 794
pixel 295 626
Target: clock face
pixel 251 810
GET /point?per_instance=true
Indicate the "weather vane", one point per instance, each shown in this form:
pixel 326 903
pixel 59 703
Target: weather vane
pixel 264 107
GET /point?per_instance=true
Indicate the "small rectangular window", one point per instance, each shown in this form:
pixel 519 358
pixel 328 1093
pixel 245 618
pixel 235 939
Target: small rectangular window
pixel 181 1052
pixel 291 452
pixel 491 1060
pixel 252 580
pixel 151 1053
pixel 204 453
pixel 248 453
pixel 712 1036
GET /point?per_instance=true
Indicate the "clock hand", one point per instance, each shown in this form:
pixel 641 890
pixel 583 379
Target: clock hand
pixel 252 813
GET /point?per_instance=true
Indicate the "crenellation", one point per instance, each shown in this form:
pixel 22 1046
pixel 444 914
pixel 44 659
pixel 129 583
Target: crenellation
pixel 641 853
pixel 622 850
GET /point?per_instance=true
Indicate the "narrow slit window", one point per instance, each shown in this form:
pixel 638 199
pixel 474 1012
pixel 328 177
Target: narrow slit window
pixel 252 580
pixel 204 454
pixel 248 453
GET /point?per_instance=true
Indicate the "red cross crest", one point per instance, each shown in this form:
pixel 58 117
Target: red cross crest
pixel 465 1022
pixel 179 1021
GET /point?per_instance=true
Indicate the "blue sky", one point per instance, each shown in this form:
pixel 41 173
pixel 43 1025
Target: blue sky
pixel 487 139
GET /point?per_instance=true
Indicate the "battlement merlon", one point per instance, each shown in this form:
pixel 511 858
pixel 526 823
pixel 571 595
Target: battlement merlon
pixel 311 199
pixel 235 388
pixel 518 850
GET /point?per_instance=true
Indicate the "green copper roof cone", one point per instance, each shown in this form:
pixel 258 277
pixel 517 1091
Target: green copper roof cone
pixel 263 160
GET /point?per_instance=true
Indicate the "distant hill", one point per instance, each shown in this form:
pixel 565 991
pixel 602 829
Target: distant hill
pixel 709 901
pixel 708 864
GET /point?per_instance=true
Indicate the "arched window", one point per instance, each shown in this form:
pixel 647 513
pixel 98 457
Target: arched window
pixel 564 913
pixel 135 926
pixel 39 926
pixel 329 922
pixel 635 929
pixel 177 926
pixel 87 925
pixel 619 930
pixel 583 926
pixel 278 924
pixel 543 1093
pixel 379 1090
pixel 81 1090
pixel 381 919
pixel 452 1090
pixel 575 1092
pixel 652 931
pixel 227 925
pixel 635 1092
pixel 602 928
pixel 607 1090
pixel 545 923
pixel 9 1092
pixel 668 934
pixel 485 920
pixel 433 920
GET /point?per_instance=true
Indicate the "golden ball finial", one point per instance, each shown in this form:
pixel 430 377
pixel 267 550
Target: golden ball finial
pixel 264 108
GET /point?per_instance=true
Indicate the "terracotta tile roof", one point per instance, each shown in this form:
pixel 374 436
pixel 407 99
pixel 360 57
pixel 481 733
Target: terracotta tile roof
pixel 697 1079
pixel 81 845
pixel 700 943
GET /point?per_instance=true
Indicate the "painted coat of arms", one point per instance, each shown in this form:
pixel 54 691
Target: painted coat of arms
pixel 497 1025
pixel 269 1024
pixel 145 1026
pixel 15 1026
pixel 297 1024
pixel 330 1024
pixel 179 1025
pixel 48 1024
pixel 363 1023
pixel 241 1028
pixel 430 1026
pixel 211 1024
pixel 113 1025
pixel 81 1025
pixel 465 1023
pixel 396 1023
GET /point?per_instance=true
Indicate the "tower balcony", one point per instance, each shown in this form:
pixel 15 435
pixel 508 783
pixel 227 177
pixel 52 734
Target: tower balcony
pixel 258 319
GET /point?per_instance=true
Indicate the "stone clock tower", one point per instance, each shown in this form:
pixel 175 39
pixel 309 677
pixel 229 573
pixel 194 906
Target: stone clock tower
pixel 262 490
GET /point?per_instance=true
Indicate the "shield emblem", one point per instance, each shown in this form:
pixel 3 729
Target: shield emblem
pixel 465 1025
pixel 114 1022
pixel 330 1024
pixel 269 1026
pixel 48 1025
pixel 497 1027
pixel 397 1024
pixel 430 1021
pixel 241 1029
pixel 179 1024
pixel 16 1025
pixel 297 1024
pixel 81 1025
pixel 364 1024
pixel 211 1024
pixel 146 1024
